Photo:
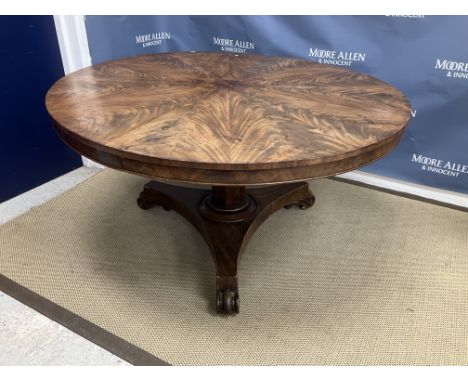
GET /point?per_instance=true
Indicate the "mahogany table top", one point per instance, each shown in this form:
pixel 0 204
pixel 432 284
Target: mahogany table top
pixel 218 118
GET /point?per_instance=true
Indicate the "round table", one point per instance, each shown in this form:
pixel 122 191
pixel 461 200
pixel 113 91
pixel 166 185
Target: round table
pixel 232 122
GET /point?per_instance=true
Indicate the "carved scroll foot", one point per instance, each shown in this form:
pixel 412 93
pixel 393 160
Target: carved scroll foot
pixel 148 199
pixel 304 203
pixel 227 295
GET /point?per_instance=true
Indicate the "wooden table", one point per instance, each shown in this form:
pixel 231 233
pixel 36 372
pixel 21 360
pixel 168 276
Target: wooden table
pixel 228 121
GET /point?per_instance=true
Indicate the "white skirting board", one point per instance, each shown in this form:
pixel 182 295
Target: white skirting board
pixel 430 193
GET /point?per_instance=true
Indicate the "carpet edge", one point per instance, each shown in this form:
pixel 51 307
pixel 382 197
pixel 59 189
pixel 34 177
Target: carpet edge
pixel 79 325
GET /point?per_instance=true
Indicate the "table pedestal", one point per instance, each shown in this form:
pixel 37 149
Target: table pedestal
pixel 226 217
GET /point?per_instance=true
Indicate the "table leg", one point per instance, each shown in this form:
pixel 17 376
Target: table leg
pixel 226 217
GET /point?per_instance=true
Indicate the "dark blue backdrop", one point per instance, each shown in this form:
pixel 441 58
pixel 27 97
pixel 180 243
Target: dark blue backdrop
pixel 31 153
pixel 425 56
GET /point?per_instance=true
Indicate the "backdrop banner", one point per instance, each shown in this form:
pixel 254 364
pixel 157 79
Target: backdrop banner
pixel 424 56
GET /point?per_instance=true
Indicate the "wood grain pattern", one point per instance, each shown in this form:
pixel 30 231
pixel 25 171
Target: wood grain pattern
pixel 224 119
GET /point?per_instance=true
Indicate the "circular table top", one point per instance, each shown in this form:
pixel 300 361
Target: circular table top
pixel 218 118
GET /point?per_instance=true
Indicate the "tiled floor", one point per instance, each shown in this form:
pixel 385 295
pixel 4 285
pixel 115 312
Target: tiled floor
pixel 26 336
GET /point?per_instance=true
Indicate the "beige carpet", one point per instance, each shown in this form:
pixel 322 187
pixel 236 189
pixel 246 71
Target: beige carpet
pixel 362 278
